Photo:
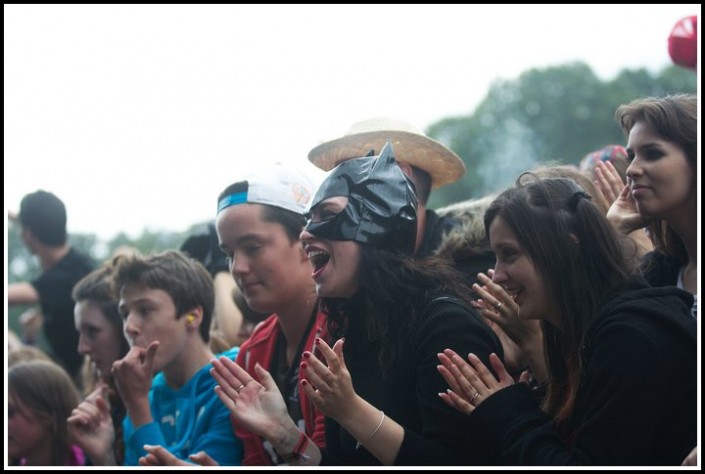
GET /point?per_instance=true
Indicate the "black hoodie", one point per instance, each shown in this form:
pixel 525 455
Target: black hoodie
pixel 637 400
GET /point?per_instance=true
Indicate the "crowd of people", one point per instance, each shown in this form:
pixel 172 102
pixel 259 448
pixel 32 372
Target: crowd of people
pixel 552 323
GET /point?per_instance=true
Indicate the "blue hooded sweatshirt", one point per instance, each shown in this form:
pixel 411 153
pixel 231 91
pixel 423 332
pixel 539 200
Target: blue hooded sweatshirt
pixel 186 421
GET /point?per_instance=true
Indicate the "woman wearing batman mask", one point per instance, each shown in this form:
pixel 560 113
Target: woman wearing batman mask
pixel 390 315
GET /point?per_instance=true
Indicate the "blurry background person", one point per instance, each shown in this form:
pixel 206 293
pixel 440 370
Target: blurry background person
pixel 202 245
pixel 99 324
pixel 42 217
pixel 24 353
pixel 40 397
pixel 101 338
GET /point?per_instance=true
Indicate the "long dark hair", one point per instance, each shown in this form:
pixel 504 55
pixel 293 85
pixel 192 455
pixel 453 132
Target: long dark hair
pixel 580 259
pixel 394 290
pixel 675 118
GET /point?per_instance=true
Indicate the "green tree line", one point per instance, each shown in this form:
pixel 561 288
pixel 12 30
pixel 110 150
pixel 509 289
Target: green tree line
pixel 555 114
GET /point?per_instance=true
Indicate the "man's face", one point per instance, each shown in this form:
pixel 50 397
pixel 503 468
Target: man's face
pixel 150 315
pixel 269 267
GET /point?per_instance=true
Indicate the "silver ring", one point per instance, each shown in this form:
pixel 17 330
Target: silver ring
pixel 472 399
pixel 498 305
pixel 240 388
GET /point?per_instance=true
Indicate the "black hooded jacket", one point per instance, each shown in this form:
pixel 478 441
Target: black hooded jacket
pixel 637 401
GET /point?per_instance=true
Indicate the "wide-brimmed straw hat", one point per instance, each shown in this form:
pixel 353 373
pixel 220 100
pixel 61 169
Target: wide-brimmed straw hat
pixel 410 146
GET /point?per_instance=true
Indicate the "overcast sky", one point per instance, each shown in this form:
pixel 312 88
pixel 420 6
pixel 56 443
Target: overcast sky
pixel 138 116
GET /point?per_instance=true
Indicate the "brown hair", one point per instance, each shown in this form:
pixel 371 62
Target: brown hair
pixel 675 118
pixel 184 279
pixel 45 389
pixel 25 353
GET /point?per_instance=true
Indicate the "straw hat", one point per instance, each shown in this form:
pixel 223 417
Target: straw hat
pixel 410 146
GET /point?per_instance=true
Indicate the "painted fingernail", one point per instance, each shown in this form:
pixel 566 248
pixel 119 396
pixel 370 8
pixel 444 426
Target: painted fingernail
pixel 307 354
pixel 303 365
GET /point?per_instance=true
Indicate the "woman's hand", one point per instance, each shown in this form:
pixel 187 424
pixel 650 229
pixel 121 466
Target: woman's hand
pixel 608 183
pixel 329 385
pixel 521 339
pixel 622 211
pixel 91 427
pixel 470 385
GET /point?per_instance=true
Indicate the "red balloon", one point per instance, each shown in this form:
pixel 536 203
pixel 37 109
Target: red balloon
pixel 683 42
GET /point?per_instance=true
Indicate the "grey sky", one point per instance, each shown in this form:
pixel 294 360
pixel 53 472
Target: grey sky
pixel 138 116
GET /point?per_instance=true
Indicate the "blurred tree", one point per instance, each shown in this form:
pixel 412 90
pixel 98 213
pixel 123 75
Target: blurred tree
pixel 557 114
pixel 148 242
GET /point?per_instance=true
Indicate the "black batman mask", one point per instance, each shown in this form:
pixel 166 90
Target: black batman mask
pixel 382 203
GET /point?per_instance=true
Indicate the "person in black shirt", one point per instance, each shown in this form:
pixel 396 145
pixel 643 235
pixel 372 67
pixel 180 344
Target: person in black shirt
pixel 42 217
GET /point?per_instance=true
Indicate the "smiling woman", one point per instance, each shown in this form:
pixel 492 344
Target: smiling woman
pixel 605 334
pixel 662 177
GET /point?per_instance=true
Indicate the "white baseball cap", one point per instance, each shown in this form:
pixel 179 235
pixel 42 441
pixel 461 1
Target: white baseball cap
pixel 275 185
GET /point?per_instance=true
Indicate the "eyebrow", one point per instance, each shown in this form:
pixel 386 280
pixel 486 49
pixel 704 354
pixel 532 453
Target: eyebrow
pixel 245 238
pixel 646 145
pixel 138 301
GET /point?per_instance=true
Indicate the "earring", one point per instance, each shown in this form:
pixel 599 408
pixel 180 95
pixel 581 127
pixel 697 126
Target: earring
pixel 190 318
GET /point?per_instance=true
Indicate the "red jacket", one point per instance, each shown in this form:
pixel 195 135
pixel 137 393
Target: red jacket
pixel 259 347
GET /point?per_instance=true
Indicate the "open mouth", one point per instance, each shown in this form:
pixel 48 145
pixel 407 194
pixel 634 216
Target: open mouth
pixel 318 259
